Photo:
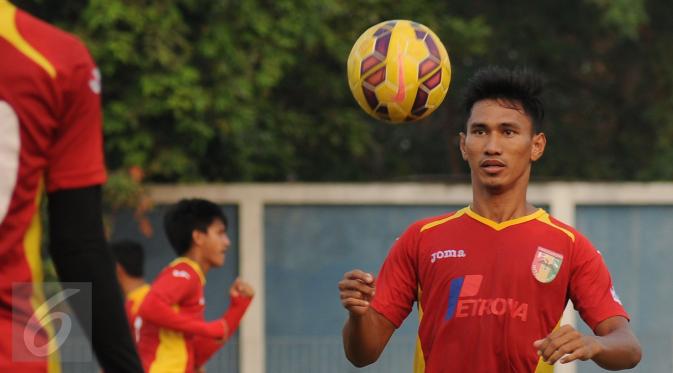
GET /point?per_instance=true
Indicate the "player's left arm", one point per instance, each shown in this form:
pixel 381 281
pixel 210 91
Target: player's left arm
pixel 614 347
pixel 241 294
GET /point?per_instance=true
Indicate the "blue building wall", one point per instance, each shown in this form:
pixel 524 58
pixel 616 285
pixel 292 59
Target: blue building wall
pixel 637 245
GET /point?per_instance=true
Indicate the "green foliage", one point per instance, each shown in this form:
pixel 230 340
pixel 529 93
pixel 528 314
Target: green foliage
pixel 255 90
pixel 624 16
pixel 121 191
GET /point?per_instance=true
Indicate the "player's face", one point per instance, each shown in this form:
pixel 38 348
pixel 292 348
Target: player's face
pixel 500 145
pixel 216 243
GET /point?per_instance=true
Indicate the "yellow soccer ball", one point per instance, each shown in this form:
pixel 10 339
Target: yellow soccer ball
pixel 399 71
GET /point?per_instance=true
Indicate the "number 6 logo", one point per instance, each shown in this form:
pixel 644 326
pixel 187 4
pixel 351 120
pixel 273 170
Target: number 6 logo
pixel 10 145
pixel 42 316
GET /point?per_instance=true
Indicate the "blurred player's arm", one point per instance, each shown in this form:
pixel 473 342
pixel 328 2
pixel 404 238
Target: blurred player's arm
pixel 240 295
pixel 366 332
pixel 614 347
pixel 77 247
pixel 167 291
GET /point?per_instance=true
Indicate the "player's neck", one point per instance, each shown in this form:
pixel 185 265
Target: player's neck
pixel 196 256
pixel 501 206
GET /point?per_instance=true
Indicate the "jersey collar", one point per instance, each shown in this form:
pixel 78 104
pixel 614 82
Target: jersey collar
pixel 195 266
pixel 502 225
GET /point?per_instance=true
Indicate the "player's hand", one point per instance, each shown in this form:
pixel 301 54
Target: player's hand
pixel 241 288
pixel 356 290
pixel 201 369
pixel 567 341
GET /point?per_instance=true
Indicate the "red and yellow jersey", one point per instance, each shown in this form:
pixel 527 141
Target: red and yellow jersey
pixel 487 290
pixel 133 301
pixel 173 320
pixel 51 136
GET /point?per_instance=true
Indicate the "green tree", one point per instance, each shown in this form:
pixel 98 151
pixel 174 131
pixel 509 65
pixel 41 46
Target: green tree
pixel 254 90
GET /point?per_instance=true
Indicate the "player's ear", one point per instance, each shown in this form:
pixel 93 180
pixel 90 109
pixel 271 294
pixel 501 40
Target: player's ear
pixel 463 152
pixel 197 237
pixel 539 144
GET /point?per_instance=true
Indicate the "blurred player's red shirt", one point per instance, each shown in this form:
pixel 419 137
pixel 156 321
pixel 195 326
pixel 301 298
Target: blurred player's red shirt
pixel 133 301
pixel 174 336
pixel 51 136
pixel 487 290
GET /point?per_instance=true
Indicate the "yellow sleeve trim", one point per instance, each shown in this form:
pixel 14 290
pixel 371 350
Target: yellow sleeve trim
pixel 9 31
pixel 435 223
pixel 545 219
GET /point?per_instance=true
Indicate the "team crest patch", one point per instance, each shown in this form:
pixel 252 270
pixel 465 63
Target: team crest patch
pixel 546 264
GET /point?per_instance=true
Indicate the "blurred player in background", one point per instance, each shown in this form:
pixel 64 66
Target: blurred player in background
pixel 492 280
pixel 130 259
pixel 50 120
pixel 175 337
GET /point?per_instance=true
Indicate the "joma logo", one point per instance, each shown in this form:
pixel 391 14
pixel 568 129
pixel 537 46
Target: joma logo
pixel 451 253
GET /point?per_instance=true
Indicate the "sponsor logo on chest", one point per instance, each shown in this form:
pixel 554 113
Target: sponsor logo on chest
pixel 445 254
pixel 464 301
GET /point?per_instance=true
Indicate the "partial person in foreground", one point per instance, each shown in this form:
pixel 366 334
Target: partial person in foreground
pixel 51 139
pixel 173 310
pixel 492 280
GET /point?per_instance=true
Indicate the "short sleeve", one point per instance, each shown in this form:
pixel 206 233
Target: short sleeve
pixel 397 284
pixel 591 288
pixel 76 151
pixel 175 283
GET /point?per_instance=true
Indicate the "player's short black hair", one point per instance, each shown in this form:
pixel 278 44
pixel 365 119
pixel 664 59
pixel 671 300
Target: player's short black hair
pixel 185 217
pixel 520 86
pixel 129 254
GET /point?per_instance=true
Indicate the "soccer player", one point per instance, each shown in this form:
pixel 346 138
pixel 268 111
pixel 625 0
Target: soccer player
pixel 51 140
pixel 130 261
pixel 492 279
pixel 175 337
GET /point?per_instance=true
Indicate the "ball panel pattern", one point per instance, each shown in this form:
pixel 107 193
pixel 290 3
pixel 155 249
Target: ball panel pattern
pixel 399 71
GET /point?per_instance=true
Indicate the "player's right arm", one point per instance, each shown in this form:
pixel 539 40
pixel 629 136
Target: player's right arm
pixel 372 320
pixel 166 292
pixel 366 332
